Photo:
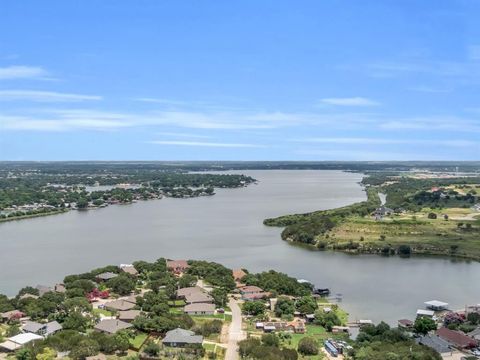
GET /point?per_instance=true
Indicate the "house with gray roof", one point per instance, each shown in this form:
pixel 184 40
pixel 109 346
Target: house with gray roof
pixel 119 305
pixel 128 315
pixel 181 293
pixel 199 309
pixel 111 326
pixel 181 337
pixel 105 276
pixel 197 298
pixel 41 329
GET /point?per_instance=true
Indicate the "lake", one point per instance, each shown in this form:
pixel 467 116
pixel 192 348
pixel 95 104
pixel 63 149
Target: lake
pixel 228 228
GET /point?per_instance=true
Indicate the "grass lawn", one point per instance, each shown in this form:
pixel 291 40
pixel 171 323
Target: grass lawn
pixel 102 311
pixel 176 311
pixel 224 317
pixel 177 303
pixel 138 340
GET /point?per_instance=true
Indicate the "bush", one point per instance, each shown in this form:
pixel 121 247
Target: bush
pixel 151 349
pixel 432 215
pixel 308 346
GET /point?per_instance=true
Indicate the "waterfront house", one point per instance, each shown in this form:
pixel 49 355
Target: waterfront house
pixel 436 305
pixel 405 324
pixel 181 338
pixel 177 266
pixel 119 305
pixel 18 341
pixel 129 269
pixel 427 313
pixel 199 309
pixel 105 276
pixel 111 326
pixel 41 329
pixel 435 342
pixel 457 338
pixel 129 315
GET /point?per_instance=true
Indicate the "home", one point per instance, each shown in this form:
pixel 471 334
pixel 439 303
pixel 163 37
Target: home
pixel 119 305
pixel 111 326
pixel 250 293
pixel 405 324
pixel 129 269
pixel 434 342
pixel 250 289
pixel 457 338
pixel 105 276
pixel 198 297
pixel 238 274
pixel 41 329
pixel 180 338
pixel 183 292
pixel 11 315
pixel 177 266
pixel 426 313
pixel 129 315
pixel 383 211
pixel 16 342
pixel 297 326
pixel 199 309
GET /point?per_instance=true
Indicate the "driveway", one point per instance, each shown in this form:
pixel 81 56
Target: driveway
pixel 235 332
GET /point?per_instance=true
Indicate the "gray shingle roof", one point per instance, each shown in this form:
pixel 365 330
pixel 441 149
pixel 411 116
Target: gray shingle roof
pixel 182 336
pixel 111 326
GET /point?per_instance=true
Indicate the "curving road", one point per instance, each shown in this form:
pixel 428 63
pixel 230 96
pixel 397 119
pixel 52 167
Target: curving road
pixel 235 332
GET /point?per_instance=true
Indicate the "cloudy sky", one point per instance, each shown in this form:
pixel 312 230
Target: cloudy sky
pixel 239 80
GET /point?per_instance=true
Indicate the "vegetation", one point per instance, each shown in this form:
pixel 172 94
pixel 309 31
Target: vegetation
pixel 35 189
pixel 428 216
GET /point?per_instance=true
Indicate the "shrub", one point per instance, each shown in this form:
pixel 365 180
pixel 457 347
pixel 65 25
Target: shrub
pixel 308 346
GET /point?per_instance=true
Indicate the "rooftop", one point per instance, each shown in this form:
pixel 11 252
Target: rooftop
pixel 111 326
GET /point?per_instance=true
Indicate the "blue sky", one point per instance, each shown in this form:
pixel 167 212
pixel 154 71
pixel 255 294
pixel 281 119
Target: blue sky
pixel 239 80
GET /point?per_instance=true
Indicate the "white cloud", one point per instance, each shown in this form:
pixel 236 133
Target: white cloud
pixel 352 101
pixel 204 144
pixel 386 141
pixel 44 96
pixel 22 72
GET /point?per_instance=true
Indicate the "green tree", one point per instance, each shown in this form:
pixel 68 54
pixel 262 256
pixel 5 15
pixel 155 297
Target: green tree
pixel 254 308
pixel 46 354
pixel 122 284
pixel 151 349
pixel 306 305
pixel 308 346
pixel 423 325
pixel 284 307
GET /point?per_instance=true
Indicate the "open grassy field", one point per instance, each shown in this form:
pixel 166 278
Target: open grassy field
pixel 457 236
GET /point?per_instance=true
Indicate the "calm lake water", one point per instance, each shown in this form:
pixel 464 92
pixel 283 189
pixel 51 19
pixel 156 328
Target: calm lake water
pixel 228 228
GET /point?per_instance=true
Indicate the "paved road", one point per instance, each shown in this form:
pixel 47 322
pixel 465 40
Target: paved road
pixel 235 332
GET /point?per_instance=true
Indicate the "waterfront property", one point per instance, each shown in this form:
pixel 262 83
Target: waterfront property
pixel 457 338
pixel 177 266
